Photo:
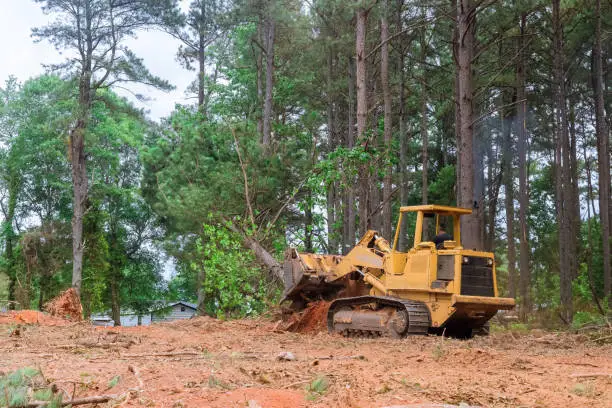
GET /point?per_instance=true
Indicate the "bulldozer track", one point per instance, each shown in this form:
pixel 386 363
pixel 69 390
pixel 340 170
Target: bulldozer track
pixel 417 314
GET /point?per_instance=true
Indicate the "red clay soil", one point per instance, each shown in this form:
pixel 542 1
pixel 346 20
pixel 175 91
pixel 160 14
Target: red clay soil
pixel 311 320
pixel 66 306
pixel 207 363
pixel 31 317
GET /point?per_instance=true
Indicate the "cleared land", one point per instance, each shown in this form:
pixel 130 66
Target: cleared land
pixel 209 363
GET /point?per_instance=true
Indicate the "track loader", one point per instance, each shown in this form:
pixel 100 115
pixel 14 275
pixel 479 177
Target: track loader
pixel 378 289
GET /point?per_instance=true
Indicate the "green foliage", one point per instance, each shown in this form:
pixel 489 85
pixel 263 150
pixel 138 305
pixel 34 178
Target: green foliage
pixel 233 284
pixel 114 381
pixel 43 395
pixel 175 184
pixel 442 188
pixel 24 385
pixel 317 388
pixel 4 283
pixel 342 165
pixel 589 318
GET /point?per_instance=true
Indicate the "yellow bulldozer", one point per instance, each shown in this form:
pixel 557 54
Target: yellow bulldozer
pixel 381 290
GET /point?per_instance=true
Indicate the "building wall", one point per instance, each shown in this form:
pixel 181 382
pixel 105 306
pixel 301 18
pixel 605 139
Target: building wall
pixel 175 314
pixel 126 320
pixel 132 320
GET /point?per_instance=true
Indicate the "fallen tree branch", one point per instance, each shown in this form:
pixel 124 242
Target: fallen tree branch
pixel 125 344
pixel 98 399
pixel 597 340
pixel 167 354
pixel 356 357
pixel 266 258
pixel 587 375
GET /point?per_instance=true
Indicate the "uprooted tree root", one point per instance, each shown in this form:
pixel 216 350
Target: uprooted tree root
pixel 67 305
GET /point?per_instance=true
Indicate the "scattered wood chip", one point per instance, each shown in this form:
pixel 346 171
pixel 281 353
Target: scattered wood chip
pixel 587 375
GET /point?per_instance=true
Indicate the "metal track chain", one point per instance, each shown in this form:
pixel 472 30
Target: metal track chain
pixel 419 319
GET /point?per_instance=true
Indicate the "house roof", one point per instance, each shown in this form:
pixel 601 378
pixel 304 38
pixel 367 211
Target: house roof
pixel 164 305
pixel 188 304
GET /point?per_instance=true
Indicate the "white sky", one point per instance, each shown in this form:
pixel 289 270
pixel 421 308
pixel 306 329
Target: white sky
pixel 22 58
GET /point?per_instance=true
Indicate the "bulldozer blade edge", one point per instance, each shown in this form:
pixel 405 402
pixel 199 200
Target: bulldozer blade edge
pixel 374 316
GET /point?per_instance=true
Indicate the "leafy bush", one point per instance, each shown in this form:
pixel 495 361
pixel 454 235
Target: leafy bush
pixel 234 285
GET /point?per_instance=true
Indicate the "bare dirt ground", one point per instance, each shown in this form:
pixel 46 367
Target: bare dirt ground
pixel 204 362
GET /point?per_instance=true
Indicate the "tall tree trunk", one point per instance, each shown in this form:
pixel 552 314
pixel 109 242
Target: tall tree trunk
pixel 201 291
pixel 308 225
pixel 508 180
pixel 470 224
pixel 201 73
pixel 521 110
pixel 563 177
pixel 270 28
pixel 332 140
pixel 14 183
pixel 115 304
pixel 260 91
pixel 45 281
pixel 403 136
pixel 493 187
pixel 79 180
pixel 423 124
pixel 424 149
pixel 350 220
pixel 590 197
pixel 574 209
pixel 77 156
pixel 384 78
pixel 116 253
pixel 603 153
pixel 362 113
pixel 201 61
pixel 455 50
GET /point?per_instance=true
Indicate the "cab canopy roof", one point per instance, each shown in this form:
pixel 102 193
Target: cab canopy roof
pixel 437 209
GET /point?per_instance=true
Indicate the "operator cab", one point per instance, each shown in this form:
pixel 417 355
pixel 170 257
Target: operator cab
pixel 419 225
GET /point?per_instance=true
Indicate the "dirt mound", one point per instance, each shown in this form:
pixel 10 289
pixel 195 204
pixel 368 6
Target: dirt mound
pixel 66 305
pixel 31 317
pixel 312 320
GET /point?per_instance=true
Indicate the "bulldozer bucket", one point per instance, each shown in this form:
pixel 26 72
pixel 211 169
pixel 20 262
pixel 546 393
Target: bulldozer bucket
pixel 309 276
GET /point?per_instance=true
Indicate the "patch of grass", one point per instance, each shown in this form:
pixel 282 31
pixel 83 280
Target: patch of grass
pixel 23 385
pixel 43 395
pixel 114 381
pixel 518 327
pixel 586 389
pixel 317 388
pixel 438 351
